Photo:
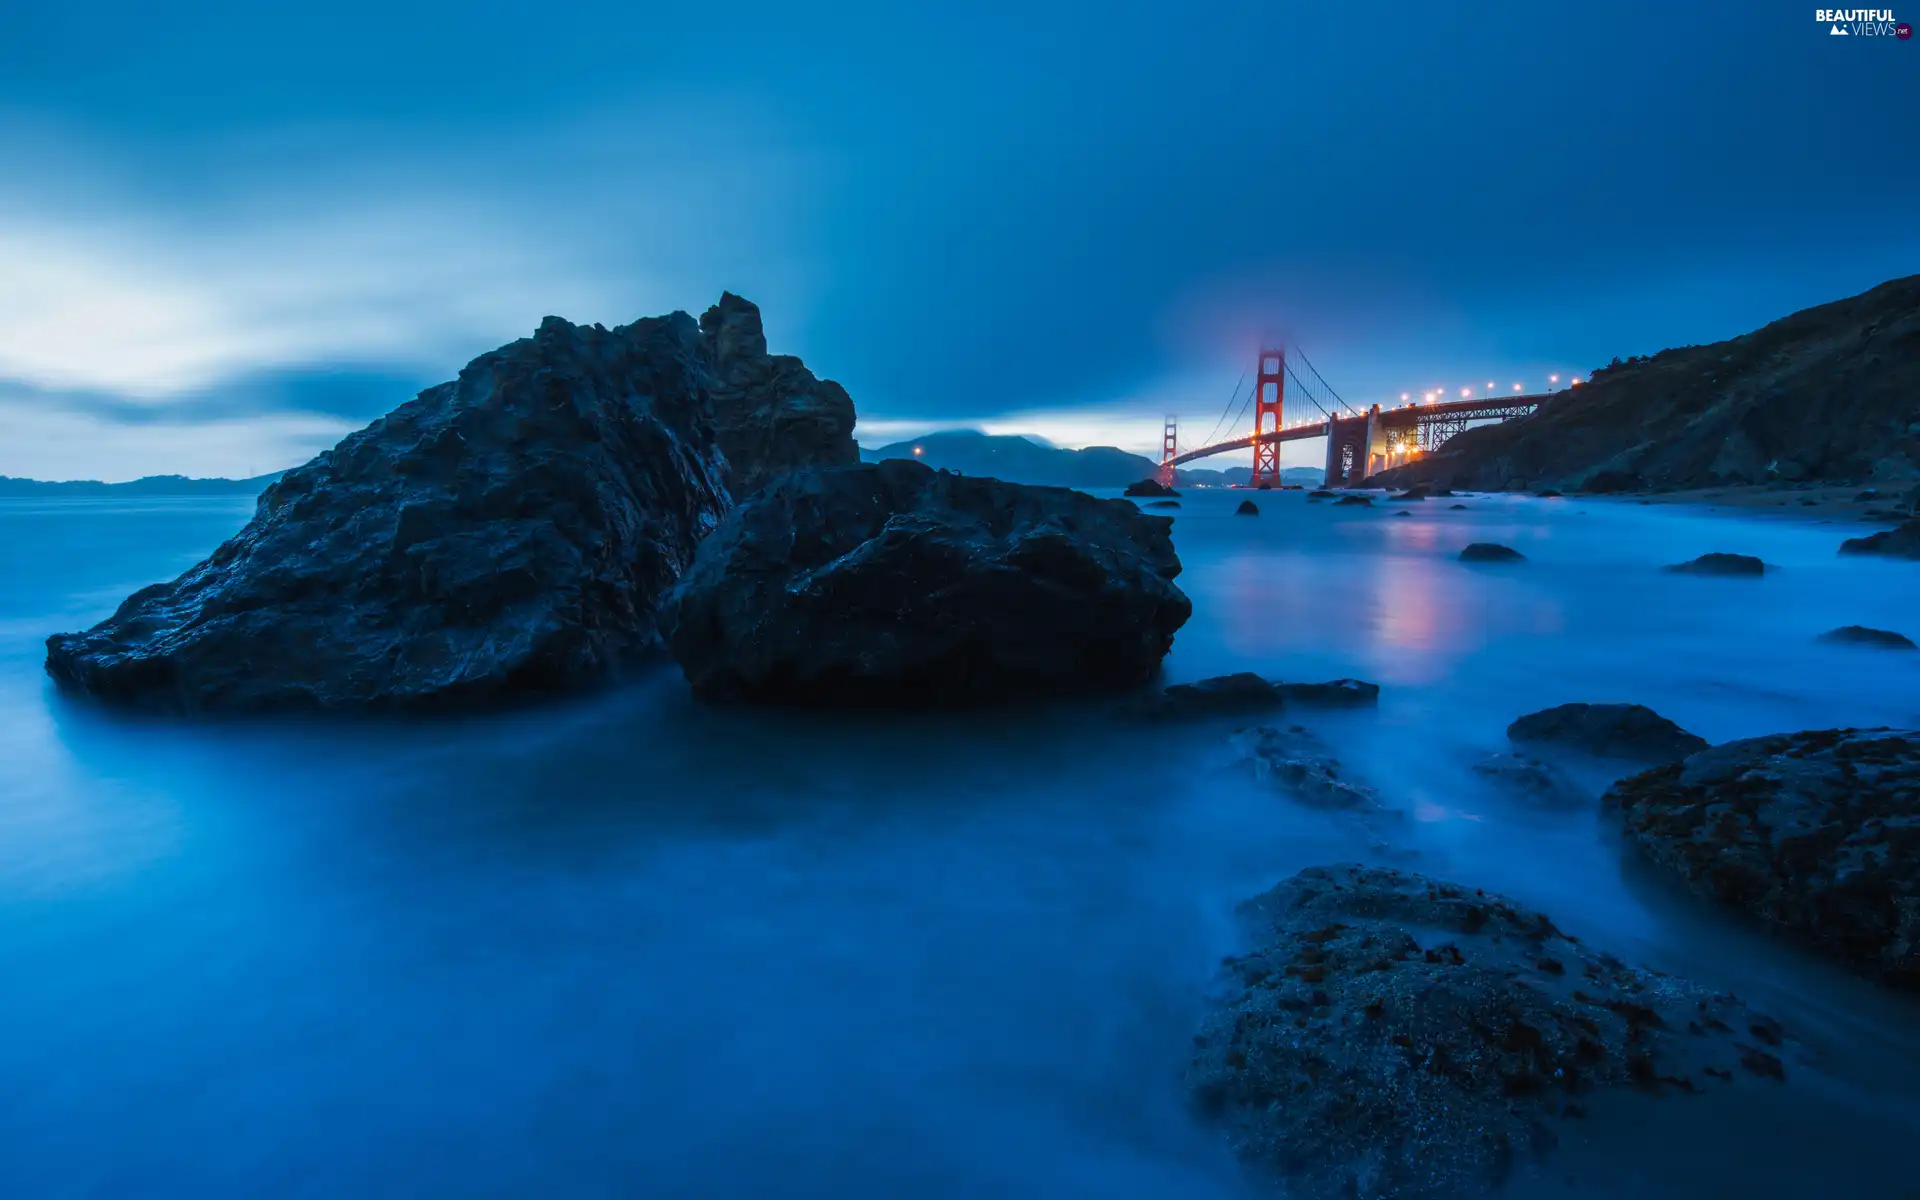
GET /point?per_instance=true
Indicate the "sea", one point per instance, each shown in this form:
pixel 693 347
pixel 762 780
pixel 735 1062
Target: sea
pixel 631 946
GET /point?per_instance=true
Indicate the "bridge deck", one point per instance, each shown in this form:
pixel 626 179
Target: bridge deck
pixel 1390 418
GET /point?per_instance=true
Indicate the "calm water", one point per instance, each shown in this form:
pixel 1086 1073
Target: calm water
pixel 633 948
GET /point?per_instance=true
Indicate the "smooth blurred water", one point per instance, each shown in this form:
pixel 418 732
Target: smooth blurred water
pixel 633 947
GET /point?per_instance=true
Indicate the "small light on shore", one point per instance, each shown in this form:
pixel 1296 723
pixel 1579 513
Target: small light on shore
pixel 916 451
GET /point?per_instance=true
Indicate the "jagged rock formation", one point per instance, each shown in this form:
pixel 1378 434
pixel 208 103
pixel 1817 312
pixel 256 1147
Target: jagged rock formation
pixel 1814 833
pixel 893 584
pixel 1829 393
pixel 1149 487
pixel 1387 1035
pixel 496 538
pixel 770 414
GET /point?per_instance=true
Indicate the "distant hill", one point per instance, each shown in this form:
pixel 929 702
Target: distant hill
pixel 1829 393
pixel 1024 460
pixel 150 485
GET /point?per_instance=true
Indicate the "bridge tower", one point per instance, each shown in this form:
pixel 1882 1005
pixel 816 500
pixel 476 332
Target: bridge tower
pixel 1169 449
pixel 1269 393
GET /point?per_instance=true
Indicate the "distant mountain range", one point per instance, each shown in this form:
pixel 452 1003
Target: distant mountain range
pixel 150 485
pixel 1024 460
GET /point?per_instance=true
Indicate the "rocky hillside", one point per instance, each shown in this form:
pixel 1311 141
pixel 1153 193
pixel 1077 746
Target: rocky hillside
pixel 1830 393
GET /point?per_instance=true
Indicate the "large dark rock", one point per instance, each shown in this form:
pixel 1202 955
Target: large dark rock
pixel 1625 731
pixel 1365 501
pixel 770 414
pixel 1247 509
pixel 1901 542
pixel 891 583
pixel 1491 552
pixel 1860 635
pixel 1149 487
pixel 1817 834
pixel 502 536
pixel 1386 1035
pixel 1825 394
pixel 1721 564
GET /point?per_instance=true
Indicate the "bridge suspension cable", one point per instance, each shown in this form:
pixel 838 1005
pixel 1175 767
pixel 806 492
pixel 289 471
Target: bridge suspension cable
pixel 1323 382
pixel 1231 397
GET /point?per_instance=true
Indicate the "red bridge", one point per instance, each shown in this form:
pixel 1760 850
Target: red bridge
pixel 1358 443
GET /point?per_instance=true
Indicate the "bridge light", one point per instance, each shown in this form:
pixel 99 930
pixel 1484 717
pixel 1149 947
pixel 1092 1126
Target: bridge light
pixel 1465 392
pixel 1404 396
pixel 1574 382
pixel 1489 385
pixel 1516 387
pixel 1553 379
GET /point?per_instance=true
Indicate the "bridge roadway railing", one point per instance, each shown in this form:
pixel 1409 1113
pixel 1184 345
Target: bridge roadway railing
pixel 1374 424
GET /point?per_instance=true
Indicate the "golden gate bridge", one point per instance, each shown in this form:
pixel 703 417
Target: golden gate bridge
pixel 1360 442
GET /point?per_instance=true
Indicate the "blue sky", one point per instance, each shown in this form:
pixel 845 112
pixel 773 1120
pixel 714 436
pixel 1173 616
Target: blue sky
pixel 228 235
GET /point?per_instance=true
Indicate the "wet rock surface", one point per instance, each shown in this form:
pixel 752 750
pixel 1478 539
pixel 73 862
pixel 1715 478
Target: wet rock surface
pixel 1391 1035
pixel 1721 564
pixel 1149 487
pixel 1297 762
pixel 889 583
pixel 1354 500
pixel 1246 694
pixel 1527 777
pixel 1625 731
pixel 496 538
pixel 771 415
pixel 1901 542
pixel 1817 834
pixel 1860 635
pixel 1320 494
pixel 1247 509
pixel 1491 552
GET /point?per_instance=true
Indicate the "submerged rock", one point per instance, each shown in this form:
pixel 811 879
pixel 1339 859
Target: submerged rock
pixel 1303 766
pixel 1721 564
pixel 1491 552
pixel 1321 494
pixel 1860 635
pixel 1902 542
pixel 1149 487
pixel 499 537
pixel 1817 834
pixel 1247 509
pixel 1335 693
pixel 1529 778
pixel 770 414
pixel 1457 507
pixel 1240 694
pixel 1351 499
pixel 1627 731
pixel 1163 504
pixel 889 583
pixel 1388 1035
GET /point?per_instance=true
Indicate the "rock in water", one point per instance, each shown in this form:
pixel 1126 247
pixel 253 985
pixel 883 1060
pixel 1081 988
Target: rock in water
pixel 1239 694
pixel 1351 499
pixel 889 583
pixel 1149 487
pixel 1629 731
pixel 1814 833
pixel 1902 542
pixel 1491 552
pixel 502 536
pixel 1247 509
pixel 1531 779
pixel 1335 693
pixel 1860 635
pixel 1393 1036
pixel 770 414
pixel 1297 762
pixel 1721 564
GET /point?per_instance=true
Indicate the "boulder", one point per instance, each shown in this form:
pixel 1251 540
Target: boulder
pixel 1547 494
pixel 1860 635
pixel 1416 492
pixel 1403 513
pixel 1300 764
pixel 1721 564
pixel 1901 542
pixel 1491 552
pixel 770 414
pixel 1149 487
pixel 1624 731
pixel 1529 778
pixel 1163 504
pixel 503 536
pixel 1456 507
pixel 1387 1035
pixel 1240 694
pixel 1814 833
pixel 1319 494
pixel 1350 499
pixel 1247 509
pixel 889 583
pixel 1335 693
